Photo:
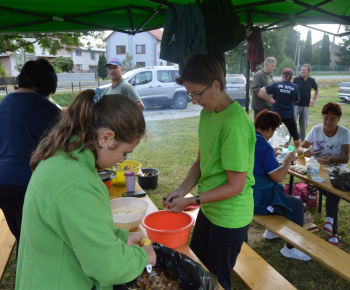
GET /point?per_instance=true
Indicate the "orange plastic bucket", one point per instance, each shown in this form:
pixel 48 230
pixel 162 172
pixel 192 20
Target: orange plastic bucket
pixel 167 228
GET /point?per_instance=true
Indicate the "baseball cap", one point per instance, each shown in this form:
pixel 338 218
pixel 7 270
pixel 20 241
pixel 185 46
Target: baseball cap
pixel 114 61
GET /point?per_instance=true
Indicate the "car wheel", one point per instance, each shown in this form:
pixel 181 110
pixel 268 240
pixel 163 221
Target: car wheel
pixel 180 101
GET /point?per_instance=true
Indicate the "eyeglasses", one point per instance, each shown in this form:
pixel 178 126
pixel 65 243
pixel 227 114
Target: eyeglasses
pixel 198 96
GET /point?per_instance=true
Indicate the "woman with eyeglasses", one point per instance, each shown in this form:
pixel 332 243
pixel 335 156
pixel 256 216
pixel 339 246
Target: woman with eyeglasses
pixel 223 170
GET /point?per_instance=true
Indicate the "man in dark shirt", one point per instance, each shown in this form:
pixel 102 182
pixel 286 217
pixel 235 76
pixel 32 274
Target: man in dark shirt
pixel 305 84
pixel 261 79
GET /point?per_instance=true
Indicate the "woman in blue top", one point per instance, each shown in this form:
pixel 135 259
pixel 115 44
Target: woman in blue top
pixel 285 95
pixel 269 197
pixel 25 115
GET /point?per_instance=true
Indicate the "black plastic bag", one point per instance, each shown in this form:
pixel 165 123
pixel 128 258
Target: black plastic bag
pixel 340 178
pixel 191 274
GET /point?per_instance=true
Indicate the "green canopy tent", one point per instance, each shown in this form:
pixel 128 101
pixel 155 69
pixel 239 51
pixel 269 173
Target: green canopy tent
pixel 134 16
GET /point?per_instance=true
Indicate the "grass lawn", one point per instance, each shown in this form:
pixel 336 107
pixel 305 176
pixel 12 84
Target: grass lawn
pixel 171 146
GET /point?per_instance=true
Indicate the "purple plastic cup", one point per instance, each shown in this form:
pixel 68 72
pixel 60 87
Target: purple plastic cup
pixel 130 180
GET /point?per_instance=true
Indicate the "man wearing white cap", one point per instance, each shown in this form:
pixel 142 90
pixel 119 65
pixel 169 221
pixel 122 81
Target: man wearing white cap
pixel 119 85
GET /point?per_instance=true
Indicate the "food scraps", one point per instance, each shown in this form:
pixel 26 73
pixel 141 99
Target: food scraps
pixel 158 279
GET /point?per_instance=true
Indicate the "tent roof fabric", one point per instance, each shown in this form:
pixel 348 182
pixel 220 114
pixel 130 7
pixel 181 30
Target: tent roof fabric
pixel 133 16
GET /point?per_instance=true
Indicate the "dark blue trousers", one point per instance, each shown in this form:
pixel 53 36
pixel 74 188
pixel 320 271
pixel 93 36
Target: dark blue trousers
pixel 217 247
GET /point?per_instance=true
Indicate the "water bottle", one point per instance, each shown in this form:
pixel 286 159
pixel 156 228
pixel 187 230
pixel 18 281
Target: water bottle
pixel 313 167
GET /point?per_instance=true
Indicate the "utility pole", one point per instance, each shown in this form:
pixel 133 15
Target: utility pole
pixel 297 56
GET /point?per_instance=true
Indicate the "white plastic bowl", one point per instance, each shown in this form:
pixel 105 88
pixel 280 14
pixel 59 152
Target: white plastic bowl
pixel 131 211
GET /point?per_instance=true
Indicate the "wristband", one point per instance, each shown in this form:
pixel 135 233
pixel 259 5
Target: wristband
pixel 198 201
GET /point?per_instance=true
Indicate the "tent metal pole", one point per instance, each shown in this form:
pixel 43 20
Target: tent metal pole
pixel 247 86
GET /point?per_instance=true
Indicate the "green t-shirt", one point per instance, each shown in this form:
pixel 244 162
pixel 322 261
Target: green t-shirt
pixel 227 142
pixel 68 237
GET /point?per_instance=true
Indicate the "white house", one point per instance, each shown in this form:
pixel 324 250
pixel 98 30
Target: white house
pixel 84 59
pixel 144 47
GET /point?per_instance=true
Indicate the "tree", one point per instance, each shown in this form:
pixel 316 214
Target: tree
pixel 51 42
pixel 291 42
pixel 2 70
pixel 316 57
pixel 102 70
pixel 325 51
pixel 236 59
pixel 65 64
pixel 308 48
pixel 274 43
pixel 127 62
pixel 344 50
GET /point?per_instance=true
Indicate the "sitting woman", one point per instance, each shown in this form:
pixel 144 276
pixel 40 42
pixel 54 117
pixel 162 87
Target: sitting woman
pixel 332 142
pixel 269 197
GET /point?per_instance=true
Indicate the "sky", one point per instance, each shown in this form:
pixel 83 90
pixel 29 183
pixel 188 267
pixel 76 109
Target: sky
pixel 317 35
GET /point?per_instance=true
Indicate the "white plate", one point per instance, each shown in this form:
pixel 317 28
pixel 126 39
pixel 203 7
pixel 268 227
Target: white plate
pixel 318 179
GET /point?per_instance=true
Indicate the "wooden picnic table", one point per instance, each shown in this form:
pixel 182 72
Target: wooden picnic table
pixel 326 185
pixel 117 192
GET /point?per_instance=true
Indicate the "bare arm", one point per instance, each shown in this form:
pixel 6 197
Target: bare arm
pixel 234 186
pixel 343 158
pixel 282 172
pixel 264 95
pixel 190 181
pixel 313 101
pixel 141 105
pixel 304 149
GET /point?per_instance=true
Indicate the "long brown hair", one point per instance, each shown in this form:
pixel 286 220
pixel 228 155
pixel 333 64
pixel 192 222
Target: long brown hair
pixel 83 119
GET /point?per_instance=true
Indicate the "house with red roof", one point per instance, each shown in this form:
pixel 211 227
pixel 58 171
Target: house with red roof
pixel 144 47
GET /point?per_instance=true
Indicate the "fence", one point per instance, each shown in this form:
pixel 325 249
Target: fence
pixel 63 86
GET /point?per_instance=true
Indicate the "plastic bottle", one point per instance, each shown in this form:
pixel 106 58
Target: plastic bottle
pixel 312 167
pixel 130 179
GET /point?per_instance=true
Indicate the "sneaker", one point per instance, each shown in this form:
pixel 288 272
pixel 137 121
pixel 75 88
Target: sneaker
pixel 294 253
pixel 269 235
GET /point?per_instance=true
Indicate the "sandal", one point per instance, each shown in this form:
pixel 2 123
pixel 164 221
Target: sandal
pixel 336 242
pixel 327 230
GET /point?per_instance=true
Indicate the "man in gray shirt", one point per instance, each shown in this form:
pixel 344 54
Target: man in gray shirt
pixel 261 79
pixel 119 85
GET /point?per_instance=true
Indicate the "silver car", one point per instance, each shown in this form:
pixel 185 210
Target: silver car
pixel 236 87
pixel 344 91
pixel 156 86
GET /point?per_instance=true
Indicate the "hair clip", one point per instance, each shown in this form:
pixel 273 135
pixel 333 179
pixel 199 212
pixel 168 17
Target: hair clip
pixel 98 96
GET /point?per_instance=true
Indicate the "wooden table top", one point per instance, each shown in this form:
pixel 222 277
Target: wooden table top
pixel 323 172
pixel 117 191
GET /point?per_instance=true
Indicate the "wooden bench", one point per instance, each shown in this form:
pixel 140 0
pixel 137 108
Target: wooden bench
pixel 254 271
pixel 7 243
pixel 318 249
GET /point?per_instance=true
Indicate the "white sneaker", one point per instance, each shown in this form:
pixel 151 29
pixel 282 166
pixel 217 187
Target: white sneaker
pixel 269 235
pixel 294 253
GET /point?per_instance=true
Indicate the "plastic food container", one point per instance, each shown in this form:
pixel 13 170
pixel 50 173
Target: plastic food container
pixel 128 212
pixel 167 228
pixel 127 165
pixel 107 176
pixel 150 178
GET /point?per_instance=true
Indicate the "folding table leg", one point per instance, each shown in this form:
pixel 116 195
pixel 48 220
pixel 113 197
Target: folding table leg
pixel 291 180
pixel 319 202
